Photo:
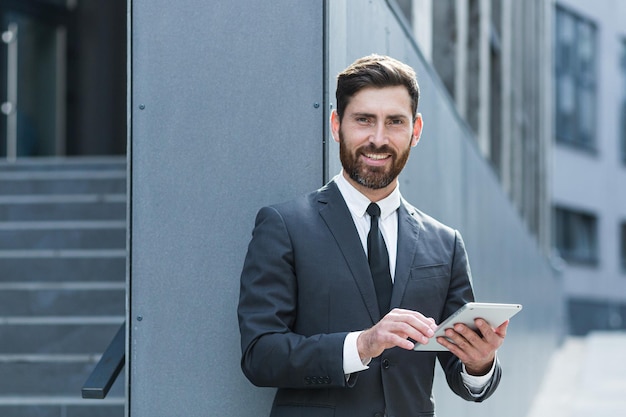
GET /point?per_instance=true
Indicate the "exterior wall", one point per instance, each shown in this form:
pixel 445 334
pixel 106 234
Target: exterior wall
pixel 594 181
pixel 223 121
pixel 516 129
pixel 494 57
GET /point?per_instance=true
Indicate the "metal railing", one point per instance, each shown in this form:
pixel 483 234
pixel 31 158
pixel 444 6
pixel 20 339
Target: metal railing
pixel 108 368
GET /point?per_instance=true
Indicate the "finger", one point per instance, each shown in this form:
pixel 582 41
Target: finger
pixel 417 332
pixel 464 337
pixel 501 330
pixel 413 324
pixel 469 334
pixel 372 342
pixel 396 331
pixel 494 337
pixel 397 341
pixel 410 315
pixel 469 340
pixel 453 348
pixel 445 342
pixel 486 328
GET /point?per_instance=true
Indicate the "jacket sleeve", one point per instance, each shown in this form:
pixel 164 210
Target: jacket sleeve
pixel 461 292
pixel 272 353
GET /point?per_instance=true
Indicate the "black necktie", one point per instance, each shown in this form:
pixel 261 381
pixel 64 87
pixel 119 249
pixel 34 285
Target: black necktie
pixel 379 260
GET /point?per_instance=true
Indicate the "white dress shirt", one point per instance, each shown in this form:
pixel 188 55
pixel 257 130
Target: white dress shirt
pixel 357 204
pixel 388 224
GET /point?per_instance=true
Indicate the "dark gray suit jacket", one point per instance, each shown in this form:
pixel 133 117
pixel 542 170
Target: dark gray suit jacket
pixel 306 283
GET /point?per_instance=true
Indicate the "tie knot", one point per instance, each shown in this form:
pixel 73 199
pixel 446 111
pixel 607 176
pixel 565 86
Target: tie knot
pixel 373 210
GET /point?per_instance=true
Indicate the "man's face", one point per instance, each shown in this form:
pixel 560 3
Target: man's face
pixel 375 136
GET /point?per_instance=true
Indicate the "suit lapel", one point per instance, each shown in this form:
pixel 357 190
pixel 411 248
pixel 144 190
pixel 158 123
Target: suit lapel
pixel 408 237
pixel 335 213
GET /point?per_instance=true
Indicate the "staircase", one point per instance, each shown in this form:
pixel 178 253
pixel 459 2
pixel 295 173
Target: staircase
pixel 62 282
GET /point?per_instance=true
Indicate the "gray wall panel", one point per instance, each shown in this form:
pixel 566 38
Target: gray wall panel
pixel 222 117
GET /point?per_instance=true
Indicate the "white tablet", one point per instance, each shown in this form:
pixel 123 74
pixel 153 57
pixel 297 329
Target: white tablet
pixel 493 313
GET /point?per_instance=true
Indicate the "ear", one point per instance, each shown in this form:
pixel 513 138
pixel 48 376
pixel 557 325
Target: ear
pixel 417 129
pixel 335 124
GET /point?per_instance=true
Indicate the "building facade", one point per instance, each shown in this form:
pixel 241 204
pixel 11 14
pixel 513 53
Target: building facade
pixel 494 58
pixel 589 195
pixel 211 138
pixel 542 84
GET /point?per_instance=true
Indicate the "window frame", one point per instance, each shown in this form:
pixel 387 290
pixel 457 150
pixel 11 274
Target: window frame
pixel 570 225
pixel 622 115
pixel 568 64
pixel 622 246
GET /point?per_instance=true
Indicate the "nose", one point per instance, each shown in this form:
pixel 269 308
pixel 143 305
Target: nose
pixel 378 136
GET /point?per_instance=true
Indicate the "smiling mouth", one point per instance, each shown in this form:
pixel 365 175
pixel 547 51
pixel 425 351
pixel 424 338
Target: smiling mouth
pixel 377 156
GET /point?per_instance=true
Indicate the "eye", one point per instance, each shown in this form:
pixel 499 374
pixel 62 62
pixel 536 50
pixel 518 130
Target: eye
pixel 364 120
pixel 396 122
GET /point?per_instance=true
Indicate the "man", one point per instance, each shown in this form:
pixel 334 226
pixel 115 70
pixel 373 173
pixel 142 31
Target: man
pixel 320 321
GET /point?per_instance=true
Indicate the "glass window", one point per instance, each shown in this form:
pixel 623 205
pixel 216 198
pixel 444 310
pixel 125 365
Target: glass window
pixel 623 247
pixel 576 235
pixel 623 107
pixel 575 79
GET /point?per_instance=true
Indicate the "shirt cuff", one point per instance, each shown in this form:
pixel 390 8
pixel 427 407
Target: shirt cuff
pixel 477 384
pixel 351 359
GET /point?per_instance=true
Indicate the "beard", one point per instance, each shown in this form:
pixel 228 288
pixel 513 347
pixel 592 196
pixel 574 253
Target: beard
pixel 373 177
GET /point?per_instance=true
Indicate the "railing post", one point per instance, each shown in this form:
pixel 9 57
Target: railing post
pixel 9 107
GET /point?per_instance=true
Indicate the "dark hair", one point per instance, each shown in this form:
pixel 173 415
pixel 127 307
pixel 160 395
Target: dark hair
pixel 376 71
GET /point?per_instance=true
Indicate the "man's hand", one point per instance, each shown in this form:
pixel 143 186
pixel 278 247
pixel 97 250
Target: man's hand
pixel 394 330
pixel 477 350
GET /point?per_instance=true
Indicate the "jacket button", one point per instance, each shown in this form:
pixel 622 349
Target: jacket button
pixel 386 364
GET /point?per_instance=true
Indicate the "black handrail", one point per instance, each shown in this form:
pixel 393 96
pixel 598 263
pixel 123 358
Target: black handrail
pixel 108 368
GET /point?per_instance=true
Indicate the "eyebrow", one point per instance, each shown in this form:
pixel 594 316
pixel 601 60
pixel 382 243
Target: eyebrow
pixel 362 114
pixel 398 116
pixel 391 116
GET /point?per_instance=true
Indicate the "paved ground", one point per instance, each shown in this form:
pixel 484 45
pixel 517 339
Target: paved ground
pixel 587 377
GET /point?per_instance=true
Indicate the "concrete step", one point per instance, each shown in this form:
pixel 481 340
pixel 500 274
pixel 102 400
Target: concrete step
pixel 56 375
pixel 92 163
pixel 63 207
pixel 62 265
pixel 62 182
pixel 22 406
pixel 100 234
pixel 64 337
pixel 62 302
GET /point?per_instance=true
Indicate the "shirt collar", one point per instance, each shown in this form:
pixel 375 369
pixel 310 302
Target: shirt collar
pixel 357 202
